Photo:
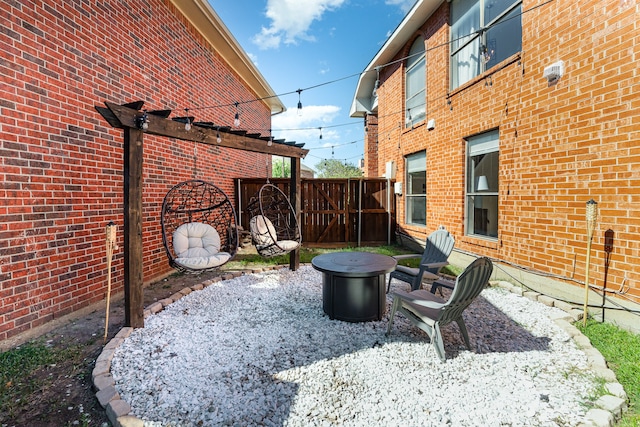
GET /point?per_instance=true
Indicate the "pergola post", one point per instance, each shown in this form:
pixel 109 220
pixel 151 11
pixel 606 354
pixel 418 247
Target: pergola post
pixel 133 302
pixel 294 198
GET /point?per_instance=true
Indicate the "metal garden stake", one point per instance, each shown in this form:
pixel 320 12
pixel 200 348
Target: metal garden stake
pixel 592 216
pixel 111 246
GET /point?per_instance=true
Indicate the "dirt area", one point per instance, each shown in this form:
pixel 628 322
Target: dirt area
pixel 63 395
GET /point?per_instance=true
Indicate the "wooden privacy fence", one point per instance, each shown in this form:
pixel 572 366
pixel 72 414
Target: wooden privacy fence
pixel 334 211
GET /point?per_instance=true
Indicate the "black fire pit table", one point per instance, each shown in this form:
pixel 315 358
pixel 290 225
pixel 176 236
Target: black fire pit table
pixel 353 284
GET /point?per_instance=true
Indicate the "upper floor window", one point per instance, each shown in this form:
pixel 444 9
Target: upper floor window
pixel 415 83
pixel 483 33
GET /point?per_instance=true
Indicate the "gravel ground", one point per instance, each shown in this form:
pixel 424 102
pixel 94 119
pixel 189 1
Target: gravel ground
pixel 259 350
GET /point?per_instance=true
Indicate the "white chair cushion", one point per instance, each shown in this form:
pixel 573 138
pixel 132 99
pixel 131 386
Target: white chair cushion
pixel 197 246
pixel 262 230
pixel 200 263
pixel 287 245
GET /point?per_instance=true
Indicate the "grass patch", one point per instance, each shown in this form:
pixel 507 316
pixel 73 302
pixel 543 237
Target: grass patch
pixel 21 372
pixel 306 255
pixel 621 349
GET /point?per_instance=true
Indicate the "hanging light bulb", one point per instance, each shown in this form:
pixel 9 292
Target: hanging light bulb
pixel 236 120
pixel 320 128
pixel 270 140
pixel 187 125
pixel 218 137
pixel 299 102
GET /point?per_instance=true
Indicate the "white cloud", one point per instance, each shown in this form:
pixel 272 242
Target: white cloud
pixel 253 58
pixel 305 128
pixel 405 5
pixel 291 19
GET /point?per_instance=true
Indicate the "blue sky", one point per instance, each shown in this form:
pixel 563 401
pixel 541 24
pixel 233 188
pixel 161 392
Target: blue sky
pixel 298 44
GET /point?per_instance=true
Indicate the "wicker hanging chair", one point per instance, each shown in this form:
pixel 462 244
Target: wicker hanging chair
pixel 199 227
pixel 273 225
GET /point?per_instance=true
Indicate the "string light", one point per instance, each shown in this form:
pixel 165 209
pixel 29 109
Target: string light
pixel 218 137
pixel 299 102
pixel 486 54
pixel 142 122
pixel 320 129
pixel 187 125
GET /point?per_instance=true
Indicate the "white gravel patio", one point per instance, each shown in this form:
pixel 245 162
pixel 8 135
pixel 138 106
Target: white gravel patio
pixel 259 350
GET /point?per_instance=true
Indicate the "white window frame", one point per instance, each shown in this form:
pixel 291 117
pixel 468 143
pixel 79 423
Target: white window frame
pixel 415 81
pixel 482 185
pixel 479 39
pixel 416 198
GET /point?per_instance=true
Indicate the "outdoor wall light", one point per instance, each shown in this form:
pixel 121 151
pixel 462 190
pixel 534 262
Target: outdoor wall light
pixel 236 119
pixel 376 85
pixel 142 122
pixel 187 125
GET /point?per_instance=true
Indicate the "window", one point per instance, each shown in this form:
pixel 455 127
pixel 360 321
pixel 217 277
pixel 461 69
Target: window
pixel 416 189
pixel 415 83
pixel 482 184
pixel 483 33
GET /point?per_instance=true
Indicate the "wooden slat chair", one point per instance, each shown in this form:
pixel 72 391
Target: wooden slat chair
pixel 436 252
pixel 429 312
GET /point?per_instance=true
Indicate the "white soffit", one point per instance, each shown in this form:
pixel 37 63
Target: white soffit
pixel 417 16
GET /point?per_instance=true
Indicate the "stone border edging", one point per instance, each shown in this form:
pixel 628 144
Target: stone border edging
pixel 608 408
pixel 119 411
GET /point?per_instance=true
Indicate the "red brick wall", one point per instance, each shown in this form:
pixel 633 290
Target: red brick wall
pixel 61 178
pixel 560 145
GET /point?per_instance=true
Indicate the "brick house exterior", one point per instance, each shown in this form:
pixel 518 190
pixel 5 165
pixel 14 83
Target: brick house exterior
pixel 62 164
pixel 559 143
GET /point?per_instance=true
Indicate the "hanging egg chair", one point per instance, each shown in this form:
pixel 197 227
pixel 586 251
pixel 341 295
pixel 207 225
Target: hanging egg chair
pixel 199 227
pixel 273 225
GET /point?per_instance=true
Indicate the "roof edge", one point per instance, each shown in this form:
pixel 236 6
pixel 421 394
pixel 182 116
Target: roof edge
pixel 363 100
pixel 208 23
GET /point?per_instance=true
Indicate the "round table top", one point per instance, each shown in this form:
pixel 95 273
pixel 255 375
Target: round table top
pixel 354 264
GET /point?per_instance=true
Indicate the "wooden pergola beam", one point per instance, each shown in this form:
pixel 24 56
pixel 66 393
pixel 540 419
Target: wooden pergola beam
pixel 127 117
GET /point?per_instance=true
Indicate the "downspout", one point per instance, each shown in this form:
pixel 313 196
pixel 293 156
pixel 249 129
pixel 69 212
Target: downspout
pixel 389 211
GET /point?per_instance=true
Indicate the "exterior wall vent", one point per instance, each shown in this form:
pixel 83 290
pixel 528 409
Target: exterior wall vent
pixel 553 72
